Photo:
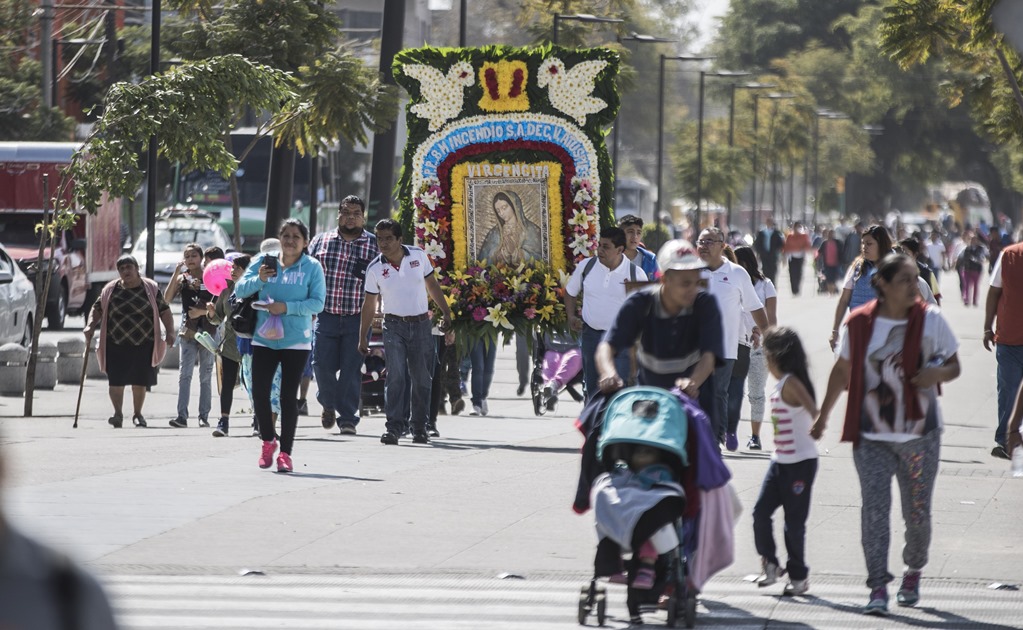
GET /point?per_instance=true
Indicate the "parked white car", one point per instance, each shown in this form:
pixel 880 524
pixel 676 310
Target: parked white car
pixel 17 302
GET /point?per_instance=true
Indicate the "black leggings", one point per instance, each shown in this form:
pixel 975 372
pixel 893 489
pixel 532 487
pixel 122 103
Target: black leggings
pixel 264 365
pixel 228 379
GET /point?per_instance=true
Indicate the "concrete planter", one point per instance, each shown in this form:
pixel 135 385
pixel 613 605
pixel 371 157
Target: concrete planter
pixel 70 351
pixel 46 365
pixel 13 365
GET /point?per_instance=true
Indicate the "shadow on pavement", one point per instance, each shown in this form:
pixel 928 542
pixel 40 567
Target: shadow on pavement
pixel 735 615
pixel 325 476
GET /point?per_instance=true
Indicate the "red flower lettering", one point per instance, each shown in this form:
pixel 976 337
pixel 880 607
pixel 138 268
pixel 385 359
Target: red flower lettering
pixel 491 77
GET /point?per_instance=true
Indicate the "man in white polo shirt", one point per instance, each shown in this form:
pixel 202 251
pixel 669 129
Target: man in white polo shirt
pixel 601 280
pixel 733 289
pixel 400 278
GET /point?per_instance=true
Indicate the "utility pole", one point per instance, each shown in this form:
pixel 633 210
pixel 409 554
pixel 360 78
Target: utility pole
pixel 382 175
pixel 46 51
pixel 151 161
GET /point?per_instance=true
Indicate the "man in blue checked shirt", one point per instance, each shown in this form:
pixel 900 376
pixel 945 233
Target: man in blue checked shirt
pixel 344 254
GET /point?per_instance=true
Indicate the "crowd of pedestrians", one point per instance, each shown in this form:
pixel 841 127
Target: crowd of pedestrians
pixel 699 316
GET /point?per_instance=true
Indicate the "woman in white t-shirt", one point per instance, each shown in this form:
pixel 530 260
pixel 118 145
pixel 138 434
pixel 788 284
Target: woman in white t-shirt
pixel 894 353
pixel 756 376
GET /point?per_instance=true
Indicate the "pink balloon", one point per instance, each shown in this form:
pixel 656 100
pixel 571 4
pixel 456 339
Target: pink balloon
pixel 216 274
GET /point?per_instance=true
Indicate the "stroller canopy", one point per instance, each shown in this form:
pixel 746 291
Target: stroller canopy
pixel 645 415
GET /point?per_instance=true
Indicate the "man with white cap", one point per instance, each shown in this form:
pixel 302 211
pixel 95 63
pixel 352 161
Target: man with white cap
pixel 677 324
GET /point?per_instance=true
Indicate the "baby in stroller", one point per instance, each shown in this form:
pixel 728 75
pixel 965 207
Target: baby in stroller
pixel 638 503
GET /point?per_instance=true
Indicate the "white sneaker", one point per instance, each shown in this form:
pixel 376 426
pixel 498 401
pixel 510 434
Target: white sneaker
pixel 796 587
pixel 483 408
pixel 476 411
pixel 770 575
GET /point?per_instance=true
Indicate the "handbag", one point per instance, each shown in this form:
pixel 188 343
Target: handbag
pixel 243 316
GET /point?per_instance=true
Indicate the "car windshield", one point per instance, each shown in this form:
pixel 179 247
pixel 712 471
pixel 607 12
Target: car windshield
pixel 174 239
pixel 18 232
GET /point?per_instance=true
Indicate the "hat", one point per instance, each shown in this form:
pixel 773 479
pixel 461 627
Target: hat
pixel 679 255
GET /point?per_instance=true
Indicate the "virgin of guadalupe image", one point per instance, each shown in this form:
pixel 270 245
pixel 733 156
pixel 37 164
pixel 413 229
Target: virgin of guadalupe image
pixel 515 238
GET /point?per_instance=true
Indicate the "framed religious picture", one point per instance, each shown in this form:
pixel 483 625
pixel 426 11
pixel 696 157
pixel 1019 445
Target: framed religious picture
pixel 508 219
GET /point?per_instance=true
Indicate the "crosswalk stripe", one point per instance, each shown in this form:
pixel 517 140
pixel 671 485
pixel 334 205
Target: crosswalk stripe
pixel 369 602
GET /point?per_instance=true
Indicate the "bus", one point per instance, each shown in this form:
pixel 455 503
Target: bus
pixel 209 192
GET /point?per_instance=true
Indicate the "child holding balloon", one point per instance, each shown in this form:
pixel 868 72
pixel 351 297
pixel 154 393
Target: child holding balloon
pixel 187 280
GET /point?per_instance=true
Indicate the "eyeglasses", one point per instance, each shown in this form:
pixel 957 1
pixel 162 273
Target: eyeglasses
pixel 704 242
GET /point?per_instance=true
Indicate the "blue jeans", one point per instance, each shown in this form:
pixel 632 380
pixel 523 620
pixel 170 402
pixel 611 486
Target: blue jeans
pixel 410 355
pixel 188 349
pixel 1009 375
pixel 482 358
pixel 337 350
pixel 719 415
pixel 588 342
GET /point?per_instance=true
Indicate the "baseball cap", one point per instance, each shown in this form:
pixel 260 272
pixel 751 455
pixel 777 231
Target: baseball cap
pixel 679 255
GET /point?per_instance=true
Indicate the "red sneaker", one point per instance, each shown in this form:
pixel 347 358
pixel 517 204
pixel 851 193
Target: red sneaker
pixel 267 458
pixel 284 462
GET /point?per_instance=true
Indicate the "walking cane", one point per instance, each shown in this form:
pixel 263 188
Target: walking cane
pixel 81 382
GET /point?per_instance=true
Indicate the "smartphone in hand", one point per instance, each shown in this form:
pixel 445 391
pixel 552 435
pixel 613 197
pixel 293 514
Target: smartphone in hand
pixel 270 262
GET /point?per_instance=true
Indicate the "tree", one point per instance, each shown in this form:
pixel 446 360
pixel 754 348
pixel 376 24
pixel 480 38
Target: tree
pixel 22 114
pixel 338 95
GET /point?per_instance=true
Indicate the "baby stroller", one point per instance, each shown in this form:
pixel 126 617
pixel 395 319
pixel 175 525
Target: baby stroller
pixel 541 343
pixel 374 373
pixel 633 507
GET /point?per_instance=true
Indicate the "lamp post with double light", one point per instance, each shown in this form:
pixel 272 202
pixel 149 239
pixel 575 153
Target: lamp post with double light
pixel 827 115
pixel 699 133
pixel 731 131
pixel 641 39
pixel 774 96
pixel 580 17
pixel 660 127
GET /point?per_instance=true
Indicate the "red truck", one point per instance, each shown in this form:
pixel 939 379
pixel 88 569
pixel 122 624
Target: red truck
pixel 85 256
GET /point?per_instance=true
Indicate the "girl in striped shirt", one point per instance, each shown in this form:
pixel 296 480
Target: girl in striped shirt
pixel 789 479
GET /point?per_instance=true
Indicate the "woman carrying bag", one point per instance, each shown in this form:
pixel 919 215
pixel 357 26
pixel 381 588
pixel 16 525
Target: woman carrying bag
pixel 291 290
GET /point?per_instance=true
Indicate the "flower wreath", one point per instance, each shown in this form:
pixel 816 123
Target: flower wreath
pixel 462 117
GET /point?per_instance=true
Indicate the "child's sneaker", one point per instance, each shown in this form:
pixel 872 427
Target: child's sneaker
pixel 645 578
pixel 796 587
pixel 878 604
pixel 770 575
pixel 909 592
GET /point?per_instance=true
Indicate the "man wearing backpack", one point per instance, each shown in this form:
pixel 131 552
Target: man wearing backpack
pixel 601 282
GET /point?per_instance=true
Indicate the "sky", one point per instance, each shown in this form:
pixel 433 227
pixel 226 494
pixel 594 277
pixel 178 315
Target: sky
pixel 706 19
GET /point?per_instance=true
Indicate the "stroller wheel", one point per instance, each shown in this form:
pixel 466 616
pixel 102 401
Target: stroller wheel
pixel 601 607
pixel 690 610
pixel 673 610
pixel 584 605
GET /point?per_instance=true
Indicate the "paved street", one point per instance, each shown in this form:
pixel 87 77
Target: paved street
pixel 475 530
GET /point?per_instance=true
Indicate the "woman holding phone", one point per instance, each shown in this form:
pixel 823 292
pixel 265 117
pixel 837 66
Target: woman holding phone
pixel 291 285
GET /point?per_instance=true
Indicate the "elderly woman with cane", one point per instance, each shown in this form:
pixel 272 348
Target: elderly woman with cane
pixel 130 344
pixel 894 354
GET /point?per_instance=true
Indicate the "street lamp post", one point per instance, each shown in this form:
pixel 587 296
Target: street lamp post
pixel 829 115
pixel 580 17
pixel 463 11
pixel 660 128
pixel 731 132
pixel 699 134
pixel 643 39
pixel 756 141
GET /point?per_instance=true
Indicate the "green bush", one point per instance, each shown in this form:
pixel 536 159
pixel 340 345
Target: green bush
pixel 655 235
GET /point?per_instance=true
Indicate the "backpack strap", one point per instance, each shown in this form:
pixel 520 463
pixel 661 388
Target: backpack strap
pixel 586 271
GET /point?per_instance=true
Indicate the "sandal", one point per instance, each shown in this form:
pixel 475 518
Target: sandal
pixel 116 420
pixel 139 421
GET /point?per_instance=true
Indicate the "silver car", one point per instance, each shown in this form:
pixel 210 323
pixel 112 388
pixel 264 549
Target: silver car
pixel 17 302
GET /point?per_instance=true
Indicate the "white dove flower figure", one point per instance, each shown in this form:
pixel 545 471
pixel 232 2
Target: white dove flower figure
pixel 569 90
pixel 442 94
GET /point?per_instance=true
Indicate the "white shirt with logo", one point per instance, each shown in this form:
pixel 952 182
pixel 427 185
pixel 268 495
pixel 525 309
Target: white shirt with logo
pixel 603 292
pixel 402 289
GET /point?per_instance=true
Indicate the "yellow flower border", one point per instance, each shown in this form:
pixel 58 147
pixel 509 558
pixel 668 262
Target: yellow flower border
pixel 555 211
